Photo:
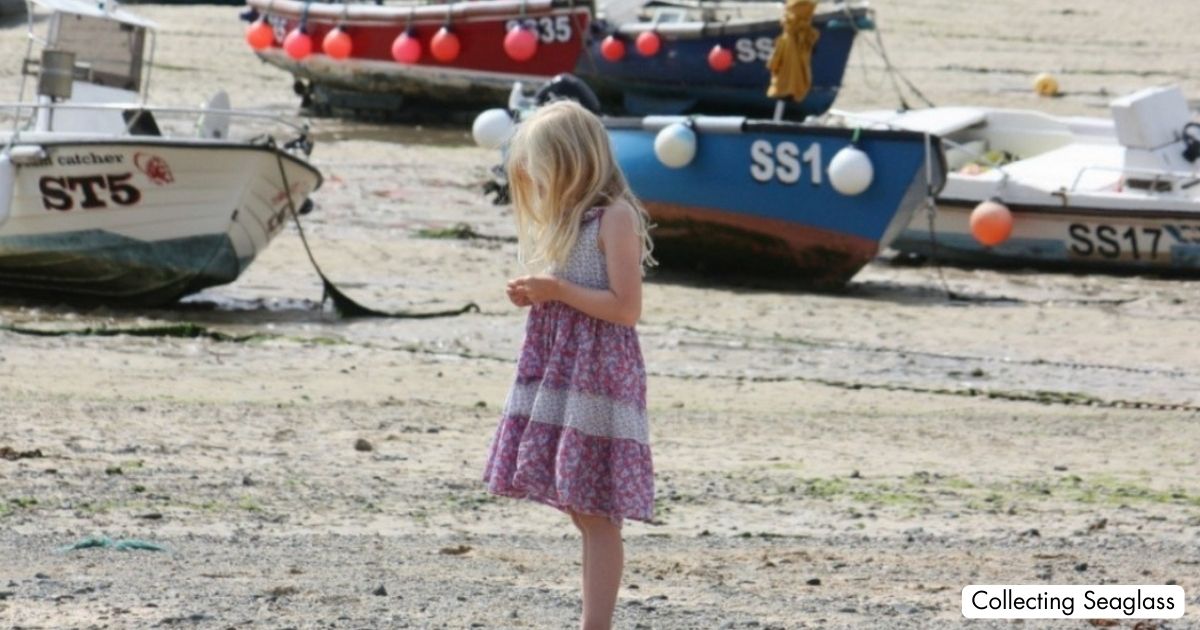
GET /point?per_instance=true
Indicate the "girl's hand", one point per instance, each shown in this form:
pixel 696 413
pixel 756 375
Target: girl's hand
pixel 538 289
pixel 516 296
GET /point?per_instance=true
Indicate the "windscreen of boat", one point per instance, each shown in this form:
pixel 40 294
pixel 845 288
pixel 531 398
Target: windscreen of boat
pixel 109 51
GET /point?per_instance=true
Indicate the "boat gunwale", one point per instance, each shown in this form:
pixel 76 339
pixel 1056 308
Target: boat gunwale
pixel 772 126
pixel 697 29
pixel 159 141
pixel 371 14
pixel 1133 214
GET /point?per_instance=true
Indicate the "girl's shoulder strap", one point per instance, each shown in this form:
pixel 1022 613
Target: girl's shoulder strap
pixel 592 213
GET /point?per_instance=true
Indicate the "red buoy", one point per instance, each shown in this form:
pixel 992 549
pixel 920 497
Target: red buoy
pixel 260 34
pixel 720 58
pixel 406 48
pixel 612 49
pixel 337 44
pixel 445 45
pixel 297 44
pixel 648 43
pixel 520 43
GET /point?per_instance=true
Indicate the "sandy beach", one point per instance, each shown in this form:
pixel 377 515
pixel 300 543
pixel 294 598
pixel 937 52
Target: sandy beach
pixel 847 460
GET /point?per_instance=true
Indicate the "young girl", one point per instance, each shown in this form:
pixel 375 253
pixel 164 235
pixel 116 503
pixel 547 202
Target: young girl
pixel 574 433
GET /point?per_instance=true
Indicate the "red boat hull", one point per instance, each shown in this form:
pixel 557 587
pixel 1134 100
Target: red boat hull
pixel 481 73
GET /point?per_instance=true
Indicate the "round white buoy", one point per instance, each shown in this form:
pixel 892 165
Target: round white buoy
pixel 675 145
pixel 8 182
pixel 492 128
pixel 850 171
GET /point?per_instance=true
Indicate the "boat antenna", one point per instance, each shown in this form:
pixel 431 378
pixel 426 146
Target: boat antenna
pixel 31 37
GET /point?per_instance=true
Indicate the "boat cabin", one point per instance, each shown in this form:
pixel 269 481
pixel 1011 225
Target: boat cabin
pixel 92 53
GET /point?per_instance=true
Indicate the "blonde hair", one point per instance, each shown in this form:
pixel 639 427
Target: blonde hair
pixel 560 164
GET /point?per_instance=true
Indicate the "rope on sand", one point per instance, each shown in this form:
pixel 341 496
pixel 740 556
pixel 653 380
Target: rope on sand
pixel 345 306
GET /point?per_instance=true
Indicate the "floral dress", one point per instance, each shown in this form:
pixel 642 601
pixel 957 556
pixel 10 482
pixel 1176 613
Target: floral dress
pixel 574 433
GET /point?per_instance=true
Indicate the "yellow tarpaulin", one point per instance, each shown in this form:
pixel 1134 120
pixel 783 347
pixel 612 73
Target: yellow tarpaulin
pixel 791 63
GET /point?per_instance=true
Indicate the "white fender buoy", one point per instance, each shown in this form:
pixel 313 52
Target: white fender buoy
pixel 214 122
pixel 8 183
pixel 850 171
pixel 492 128
pixel 675 145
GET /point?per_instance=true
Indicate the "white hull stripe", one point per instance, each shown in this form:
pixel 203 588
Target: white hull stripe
pixel 589 414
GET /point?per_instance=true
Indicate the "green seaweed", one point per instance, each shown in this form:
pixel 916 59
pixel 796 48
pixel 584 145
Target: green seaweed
pixel 185 330
pixel 462 232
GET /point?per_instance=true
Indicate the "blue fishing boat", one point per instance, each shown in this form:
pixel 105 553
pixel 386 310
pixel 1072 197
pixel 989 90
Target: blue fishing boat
pixel 712 58
pixel 811 203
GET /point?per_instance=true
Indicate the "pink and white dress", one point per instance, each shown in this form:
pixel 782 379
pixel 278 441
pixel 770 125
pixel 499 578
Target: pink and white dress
pixel 574 433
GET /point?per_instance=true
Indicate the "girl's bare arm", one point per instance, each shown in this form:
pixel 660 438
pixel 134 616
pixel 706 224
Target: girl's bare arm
pixel 621 303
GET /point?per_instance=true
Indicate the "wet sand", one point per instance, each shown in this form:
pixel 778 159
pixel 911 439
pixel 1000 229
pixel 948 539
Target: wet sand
pixel 823 460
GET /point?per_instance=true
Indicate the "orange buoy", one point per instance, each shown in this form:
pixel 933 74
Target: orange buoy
pixel 991 223
pixel 297 44
pixel 406 48
pixel 612 49
pixel 720 58
pixel 337 44
pixel 260 34
pixel 445 45
pixel 648 43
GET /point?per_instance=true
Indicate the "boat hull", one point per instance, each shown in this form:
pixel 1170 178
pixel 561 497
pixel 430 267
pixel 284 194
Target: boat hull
pixel 679 80
pixel 144 222
pixel 758 200
pixel 1140 240
pixel 370 78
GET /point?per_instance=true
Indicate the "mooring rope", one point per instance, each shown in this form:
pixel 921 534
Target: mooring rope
pixel 345 306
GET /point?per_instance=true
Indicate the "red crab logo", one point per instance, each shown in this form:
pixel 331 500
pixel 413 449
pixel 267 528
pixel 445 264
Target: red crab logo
pixel 154 167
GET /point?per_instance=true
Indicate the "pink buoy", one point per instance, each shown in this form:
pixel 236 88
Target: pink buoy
pixel 337 44
pixel 445 45
pixel 612 49
pixel 297 44
pixel 260 35
pixel 648 44
pixel 406 48
pixel 991 223
pixel 520 43
pixel 720 58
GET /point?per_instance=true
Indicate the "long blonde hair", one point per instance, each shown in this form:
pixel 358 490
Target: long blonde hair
pixel 559 165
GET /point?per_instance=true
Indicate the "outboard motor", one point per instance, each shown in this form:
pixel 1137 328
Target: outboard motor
pixel 568 86
pixel 493 127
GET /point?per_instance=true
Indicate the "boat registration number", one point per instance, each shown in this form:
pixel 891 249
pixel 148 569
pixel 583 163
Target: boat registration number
pixel 88 192
pixel 1128 242
pixel 754 50
pixel 549 29
pixel 784 162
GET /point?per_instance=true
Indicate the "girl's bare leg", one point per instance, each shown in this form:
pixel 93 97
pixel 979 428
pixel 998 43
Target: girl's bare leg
pixel 604 559
pixel 583 533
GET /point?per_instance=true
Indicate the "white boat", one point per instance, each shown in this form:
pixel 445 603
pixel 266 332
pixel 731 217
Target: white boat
pixel 103 196
pixel 1119 194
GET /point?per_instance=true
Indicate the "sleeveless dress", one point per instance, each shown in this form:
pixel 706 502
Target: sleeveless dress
pixel 574 433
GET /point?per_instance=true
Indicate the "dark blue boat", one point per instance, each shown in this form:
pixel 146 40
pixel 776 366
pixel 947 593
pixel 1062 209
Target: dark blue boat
pixel 678 79
pixel 769 198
